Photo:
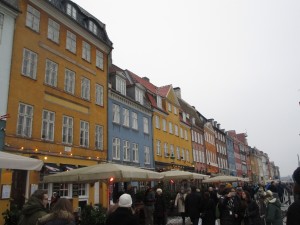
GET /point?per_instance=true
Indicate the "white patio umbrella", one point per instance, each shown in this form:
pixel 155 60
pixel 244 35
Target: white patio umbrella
pixel 179 175
pixel 104 171
pixel 220 179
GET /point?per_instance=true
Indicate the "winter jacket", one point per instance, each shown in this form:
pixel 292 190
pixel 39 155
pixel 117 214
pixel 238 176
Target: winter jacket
pixel 180 202
pixel 57 218
pixel 193 205
pixel 273 214
pixel 228 208
pixel 208 212
pixel 252 216
pixel 293 213
pixel 122 216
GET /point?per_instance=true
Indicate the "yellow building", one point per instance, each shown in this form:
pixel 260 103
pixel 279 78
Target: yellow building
pixel 57 96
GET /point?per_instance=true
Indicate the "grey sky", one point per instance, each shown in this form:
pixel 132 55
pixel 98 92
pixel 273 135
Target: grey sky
pixel 235 61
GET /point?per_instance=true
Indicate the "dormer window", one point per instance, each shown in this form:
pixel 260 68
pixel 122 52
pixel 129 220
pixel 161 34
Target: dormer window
pixel 71 11
pixel 121 85
pixel 184 116
pixel 193 120
pixel 159 102
pixel 139 95
pixel 93 27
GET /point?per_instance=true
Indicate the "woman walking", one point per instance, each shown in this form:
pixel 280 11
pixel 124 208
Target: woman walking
pixel 273 214
pixel 180 203
pixel 252 216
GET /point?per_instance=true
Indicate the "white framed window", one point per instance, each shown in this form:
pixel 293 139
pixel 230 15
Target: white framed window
pixel 1 25
pixel 99 95
pixel 166 149
pixel 82 190
pixel 86 51
pixel 147 154
pixel 53 30
pixel 146 125
pixel 125 117
pixel 139 95
pixel 64 189
pixel 172 151
pixel 159 101
pixel 85 88
pixel 121 85
pixel 135 152
pixel 92 27
pixel 176 130
pixel 158 150
pixel 25 117
pixel 99 137
pixel 71 11
pixel 178 153
pixel 71 42
pixel 157 122
pixel 67 130
pixel 169 107
pixel 170 128
pixel 187 155
pixel 193 121
pixel 185 135
pixel 84 134
pixel 182 154
pixel 164 124
pixel 99 59
pixel 33 18
pixel 51 73
pixel 69 81
pixel 184 116
pixel 116 113
pixel 134 120
pixel 126 150
pixel 116 148
pixel 175 110
pixel 48 121
pixel 29 65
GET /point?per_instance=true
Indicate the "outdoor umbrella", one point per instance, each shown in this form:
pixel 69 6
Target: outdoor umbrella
pixel 179 175
pixel 104 171
pixel 220 179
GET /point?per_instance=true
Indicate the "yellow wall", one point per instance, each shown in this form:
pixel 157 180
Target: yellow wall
pixel 5 178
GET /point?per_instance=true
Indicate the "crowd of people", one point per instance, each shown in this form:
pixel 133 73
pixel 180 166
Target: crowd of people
pixel 247 205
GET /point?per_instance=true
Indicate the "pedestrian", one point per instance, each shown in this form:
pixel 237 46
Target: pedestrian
pixel 262 205
pixel 34 208
pixel 273 212
pixel 149 200
pixel 180 204
pixel 61 214
pixel 160 208
pixel 123 215
pixel 280 191
pixel 251 216
pixel 54 198
pixel 193 205
pixel 293 213
pixel 115 204
pixel 228 208
pixel 208 210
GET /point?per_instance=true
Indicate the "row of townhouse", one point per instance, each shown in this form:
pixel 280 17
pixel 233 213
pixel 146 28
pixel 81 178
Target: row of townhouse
pixel 70 106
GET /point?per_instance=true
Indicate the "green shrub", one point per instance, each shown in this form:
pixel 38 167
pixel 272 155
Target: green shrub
pixel 11 216
pixel 93 215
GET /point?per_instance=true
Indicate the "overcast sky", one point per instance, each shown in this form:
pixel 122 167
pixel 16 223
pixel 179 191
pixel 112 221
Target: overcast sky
pixel 235 61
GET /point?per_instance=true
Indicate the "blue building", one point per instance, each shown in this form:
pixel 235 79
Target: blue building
pixel 230 154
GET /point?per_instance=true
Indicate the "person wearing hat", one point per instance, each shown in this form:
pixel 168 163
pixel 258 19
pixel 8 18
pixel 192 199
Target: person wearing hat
pixel 293 213
pixel 160 208
pixel 273 211
pixel 123 215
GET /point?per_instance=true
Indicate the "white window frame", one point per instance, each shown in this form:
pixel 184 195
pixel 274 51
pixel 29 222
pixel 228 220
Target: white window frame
pixel 139 95
pixel 116 113
pixel 93 27
pixel 67 130
pixel 116 148
pixel 126 150
pixel 83 191
pixel 185 135
pixel 99 94
pixel 33 18
pixel 53 30
pixel 172 154
pixel 99 59
pixel 51 73
pixel 135 152
pixel 182 154
pixel 170 128
pixel 166 150
pixel 159 101
pixel 146 125
pixel 164 124
pixel 29 65
pixel 175 110
pixel 187 155
pixel 158 147
pixel 69 81
pixel 99 137
pixel 178 153
pixel 176 130
pixel 147 154
pixel 121 85
pixel 157 122
pixel 71 42
pixel 84 134
pixel 126 117
pixel 169 107
pixel 25 118
pixel 86 51
pixel 71 11
pixel 85 88
pixel 48 125
pixel 134 117
pixel 65 190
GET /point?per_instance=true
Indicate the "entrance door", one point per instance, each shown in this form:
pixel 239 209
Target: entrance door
pixel 18 187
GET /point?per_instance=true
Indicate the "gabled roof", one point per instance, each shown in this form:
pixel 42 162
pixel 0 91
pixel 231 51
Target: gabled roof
pixel 149 86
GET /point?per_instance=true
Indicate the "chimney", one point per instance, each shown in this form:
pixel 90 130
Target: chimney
pixel 146 79
pixel 177 92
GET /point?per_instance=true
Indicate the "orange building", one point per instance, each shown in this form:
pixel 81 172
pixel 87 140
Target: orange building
pixel 211 149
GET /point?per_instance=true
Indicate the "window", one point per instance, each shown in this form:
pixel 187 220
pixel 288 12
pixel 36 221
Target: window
pixel 169 107
pixel 67 130
pixel 139 95
pixel 99 94
pixel 185 135
pixel 71 11
pixel 178 152
pixel 183 154
pixel 147 154
pixel 158 150
pixel 170 128
pixel 175 110
pixel 120 85
pixel 85 88
pixel 1 25
pixel 82 190
pixel 33 18
pixel 116 148
pixel 99 59
pixel 126 150
pixel 187 156
pixel 126 117
pixel 71 42
pixel 176 130
pixel 29 63
pixel 166 150
pixel 93 27
pixel 159 102
pixel 116 113
pixel 99 137
pixel 181 132
pixel 172 151
pixel 69 81
pixel 48 125
pixel 86 51
pixel 164 122
pixel 53 30
pixel 25 116
pixel 135 152
pixel 64 190
pixel 146 125
pixel 51 73
pixel 157 122
pixel 84 134
pixel 134 120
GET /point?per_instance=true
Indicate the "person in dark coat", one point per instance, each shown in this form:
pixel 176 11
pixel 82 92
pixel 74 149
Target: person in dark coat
pixel 160 208
pixel 208 210
pixel 280 191
pixel 61 214
pixel 293 213
pixel 34 208
pixel 228 208
pixel 273 213
pixel 252 216
pixel 193 206
pixel 123 215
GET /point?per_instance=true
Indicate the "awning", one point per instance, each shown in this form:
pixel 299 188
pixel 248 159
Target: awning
pixel 18 162
pixel 52 168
